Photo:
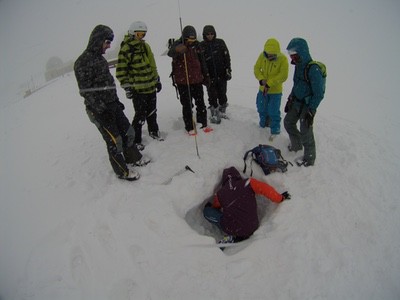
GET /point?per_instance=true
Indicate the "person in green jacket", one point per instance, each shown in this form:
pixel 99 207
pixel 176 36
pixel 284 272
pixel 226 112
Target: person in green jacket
pixel 137 73
pixel 271 70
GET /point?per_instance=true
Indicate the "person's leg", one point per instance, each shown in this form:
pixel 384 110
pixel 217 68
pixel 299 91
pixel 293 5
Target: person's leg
pixel 290 123
pixel 213 215
pixel 186 107
pixel 274 112
pixel 151 113
pixel 261 102
pixel 201 110
pixel 139 105
pixel 111 135
pixel 127 133
pixel 308 141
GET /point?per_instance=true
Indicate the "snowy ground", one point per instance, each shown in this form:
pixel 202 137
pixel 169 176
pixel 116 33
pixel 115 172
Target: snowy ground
pixel 69 229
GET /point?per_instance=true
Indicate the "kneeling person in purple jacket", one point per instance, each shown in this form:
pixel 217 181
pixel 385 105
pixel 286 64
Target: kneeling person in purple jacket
pixel 234 207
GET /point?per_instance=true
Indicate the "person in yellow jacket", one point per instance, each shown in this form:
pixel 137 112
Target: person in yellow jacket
pixel 271 70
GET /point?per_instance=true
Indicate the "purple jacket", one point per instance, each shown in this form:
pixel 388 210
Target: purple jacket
pixel 238 202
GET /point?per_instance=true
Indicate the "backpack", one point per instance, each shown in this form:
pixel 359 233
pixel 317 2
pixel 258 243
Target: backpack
pixel 321 68
pixel 268 158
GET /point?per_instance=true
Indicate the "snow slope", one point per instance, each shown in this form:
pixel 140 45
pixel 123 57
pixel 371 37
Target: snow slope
pixel 69 229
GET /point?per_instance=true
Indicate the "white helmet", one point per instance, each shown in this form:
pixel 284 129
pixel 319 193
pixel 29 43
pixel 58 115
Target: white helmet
pixel 137 26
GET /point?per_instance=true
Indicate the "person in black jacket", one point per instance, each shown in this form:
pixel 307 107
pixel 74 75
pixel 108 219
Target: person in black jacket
pixel 97 87
pixel 218 61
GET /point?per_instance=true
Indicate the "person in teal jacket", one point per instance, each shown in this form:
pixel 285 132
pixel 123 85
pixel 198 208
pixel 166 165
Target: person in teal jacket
pixel 271 70
pixel 303 101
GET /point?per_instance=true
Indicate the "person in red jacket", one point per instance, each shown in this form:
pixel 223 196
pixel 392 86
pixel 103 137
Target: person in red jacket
pixel 234 206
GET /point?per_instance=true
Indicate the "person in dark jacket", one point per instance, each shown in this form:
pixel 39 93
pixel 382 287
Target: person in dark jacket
pixel 97 87
pixel 234 206
pixel 218 61
pixel 305 97
pixel 189 73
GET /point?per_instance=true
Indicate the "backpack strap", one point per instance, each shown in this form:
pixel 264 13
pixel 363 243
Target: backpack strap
pixel 244 160
pixel 283 163
pixel 306 70
pixel 251 163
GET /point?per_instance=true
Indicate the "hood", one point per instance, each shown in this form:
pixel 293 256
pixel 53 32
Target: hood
pixel 272 46
pixel 301 47
pixel 99 34
pixel 207 29
pixel 188 31
pixel 230 173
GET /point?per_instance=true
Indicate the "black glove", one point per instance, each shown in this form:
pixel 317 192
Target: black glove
pixel 263 82
pixel 289 104
pixel 228 74
pixel 158 85
pixel 130 93
pixel 286 196
pixel 309 118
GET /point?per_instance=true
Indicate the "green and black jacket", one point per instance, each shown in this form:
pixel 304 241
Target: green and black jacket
pixel 136 66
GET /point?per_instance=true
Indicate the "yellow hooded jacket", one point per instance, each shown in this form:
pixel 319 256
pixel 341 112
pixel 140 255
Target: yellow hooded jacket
pixel 274 72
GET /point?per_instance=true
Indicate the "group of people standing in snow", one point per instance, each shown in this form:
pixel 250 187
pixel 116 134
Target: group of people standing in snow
pixel 195 64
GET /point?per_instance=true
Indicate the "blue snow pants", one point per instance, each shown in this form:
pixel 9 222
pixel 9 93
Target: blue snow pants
pixel 268 106
pixel 213 215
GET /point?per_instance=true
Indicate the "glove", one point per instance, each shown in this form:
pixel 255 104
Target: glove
pixel 265 85
pixel 309 118
pixel 130 93
pixel 181 48
pixel 289 104
pixel 286 196
pixel 228 74
pixel 158 85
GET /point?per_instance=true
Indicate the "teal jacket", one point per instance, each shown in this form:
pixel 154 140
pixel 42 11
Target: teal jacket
pixel 136 67
pixel 274 72
pixel 311 93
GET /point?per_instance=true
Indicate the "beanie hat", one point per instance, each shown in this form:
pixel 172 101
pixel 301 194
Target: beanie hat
pixel 189 32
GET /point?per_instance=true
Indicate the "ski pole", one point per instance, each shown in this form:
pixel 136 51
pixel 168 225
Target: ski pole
pixel 188 85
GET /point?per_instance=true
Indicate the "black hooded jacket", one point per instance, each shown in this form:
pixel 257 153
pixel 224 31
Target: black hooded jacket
pixel 92 72
pixel 216 54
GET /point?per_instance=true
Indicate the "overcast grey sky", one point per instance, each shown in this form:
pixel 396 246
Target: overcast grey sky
pixel 33 31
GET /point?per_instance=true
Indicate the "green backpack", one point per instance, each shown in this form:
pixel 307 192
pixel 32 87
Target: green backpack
pixel 321 66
